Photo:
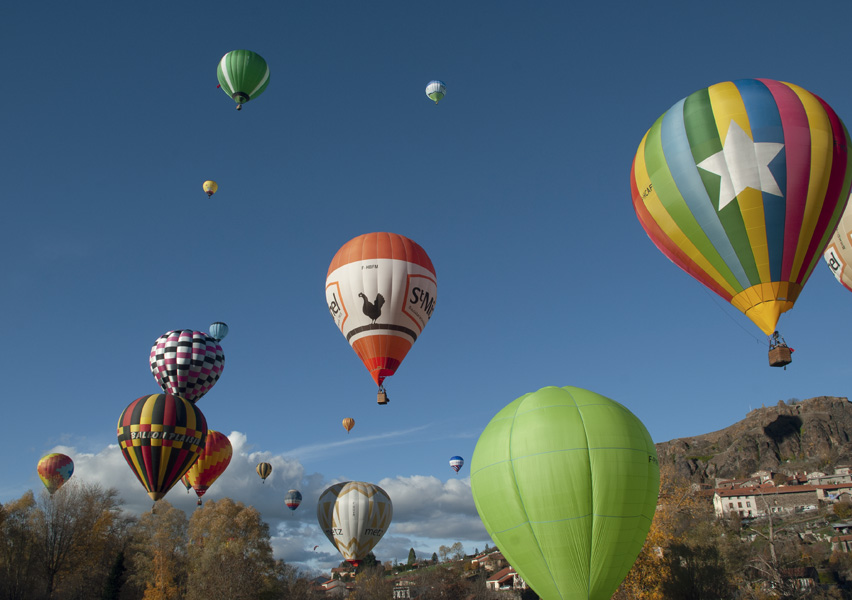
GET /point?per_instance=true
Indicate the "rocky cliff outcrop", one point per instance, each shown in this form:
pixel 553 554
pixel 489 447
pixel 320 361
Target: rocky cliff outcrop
pixel 798 435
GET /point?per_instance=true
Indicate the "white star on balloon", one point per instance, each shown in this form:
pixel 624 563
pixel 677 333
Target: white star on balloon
pixel 743 163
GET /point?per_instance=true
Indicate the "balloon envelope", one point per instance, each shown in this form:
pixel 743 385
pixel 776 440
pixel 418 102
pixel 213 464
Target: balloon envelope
pixel 381 290
pixel 264 469
pixel 741 185
pixel 211 462
pixel 160 437
pixel 243 75
pixel 456 463
pixel 218 330
pixel 566 483
pixel 54 470
pixel 186 363
pixel 209 187
pixel 293 499
pixel 354 516
pixel 838 255
pixel 436 90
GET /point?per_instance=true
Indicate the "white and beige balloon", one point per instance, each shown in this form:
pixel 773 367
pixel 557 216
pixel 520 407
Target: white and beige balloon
pixel 354 515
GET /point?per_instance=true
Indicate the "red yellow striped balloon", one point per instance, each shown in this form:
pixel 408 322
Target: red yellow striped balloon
pixel 741 185
pixel 211 463
pixel 381 290
pixel 160 437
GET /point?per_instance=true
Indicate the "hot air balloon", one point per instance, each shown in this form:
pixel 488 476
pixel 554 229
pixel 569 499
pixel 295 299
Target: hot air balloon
pixel 264 469
pixel 54 470
pixel 381 291
pixel 566 482
pixel 741 185
pixel 160 437
pixel 293 499
pixel 348 424
pixel 185 481
pixel 211 463
pixel 838 255
pixel 456 463
pixel 436 90
pixel 209 187
pixel 186 363
pixel 354 516
pixel 243 75
pixel 218 330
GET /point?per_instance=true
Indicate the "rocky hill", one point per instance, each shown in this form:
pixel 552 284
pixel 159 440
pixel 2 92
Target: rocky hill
pixel 794 436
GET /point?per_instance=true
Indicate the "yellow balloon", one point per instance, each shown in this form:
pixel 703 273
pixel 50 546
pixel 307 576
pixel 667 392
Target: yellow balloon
pixel 348 424
pixel 210 187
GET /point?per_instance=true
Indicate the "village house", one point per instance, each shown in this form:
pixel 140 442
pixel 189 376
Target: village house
pixel 504 580
pixel 763 500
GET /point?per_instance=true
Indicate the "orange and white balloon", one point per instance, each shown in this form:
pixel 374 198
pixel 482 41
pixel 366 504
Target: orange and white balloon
pixel 381 291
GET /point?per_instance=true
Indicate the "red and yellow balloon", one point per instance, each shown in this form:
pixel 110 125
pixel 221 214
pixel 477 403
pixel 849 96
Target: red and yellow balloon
pixel 160 437
pixel 211 463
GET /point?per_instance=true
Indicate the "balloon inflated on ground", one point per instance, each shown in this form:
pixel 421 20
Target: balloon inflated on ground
pixel 354 515
pixel 54 470
pixel 566 482
pixel 160 437
pixel 186 363
pixel 741 185
pixel 381 290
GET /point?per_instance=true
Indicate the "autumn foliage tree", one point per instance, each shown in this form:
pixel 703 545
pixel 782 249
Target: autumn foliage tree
pixel 158 553
pixel 229 554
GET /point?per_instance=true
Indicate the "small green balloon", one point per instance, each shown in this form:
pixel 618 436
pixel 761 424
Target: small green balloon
pixel 566 483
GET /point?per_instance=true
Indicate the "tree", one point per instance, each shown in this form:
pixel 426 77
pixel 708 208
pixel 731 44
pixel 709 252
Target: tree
pixel 457 551
pixel 435 557
pixel 842 509
pixel 158 553
pixel 17 547
pixel 78 529
pixel 412 557
pixel 444 553
pixel 230 555
pixel 115 581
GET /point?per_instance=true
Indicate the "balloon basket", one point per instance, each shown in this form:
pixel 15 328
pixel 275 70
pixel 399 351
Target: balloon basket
pixel 780 356
pixel 382 397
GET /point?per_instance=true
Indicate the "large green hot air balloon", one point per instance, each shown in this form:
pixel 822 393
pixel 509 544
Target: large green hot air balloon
pixel 566 483
pixel 243 75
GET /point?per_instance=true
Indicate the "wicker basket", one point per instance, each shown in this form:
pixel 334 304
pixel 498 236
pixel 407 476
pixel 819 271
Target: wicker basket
pixel 780 356
pixel 382 397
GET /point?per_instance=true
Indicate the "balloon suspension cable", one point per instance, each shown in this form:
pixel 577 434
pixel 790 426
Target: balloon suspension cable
pixel 715 300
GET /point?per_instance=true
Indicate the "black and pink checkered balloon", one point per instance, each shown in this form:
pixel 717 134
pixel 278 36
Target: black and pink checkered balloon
pixel 186 363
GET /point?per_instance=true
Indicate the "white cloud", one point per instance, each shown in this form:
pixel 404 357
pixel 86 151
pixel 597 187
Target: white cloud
pixel 428 513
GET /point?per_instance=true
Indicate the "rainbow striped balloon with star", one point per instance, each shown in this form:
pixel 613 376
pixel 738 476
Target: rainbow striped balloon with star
pixel 741 185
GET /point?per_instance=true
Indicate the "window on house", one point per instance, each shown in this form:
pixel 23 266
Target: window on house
pixel 739 504
pixel 748 504
pixel 730 505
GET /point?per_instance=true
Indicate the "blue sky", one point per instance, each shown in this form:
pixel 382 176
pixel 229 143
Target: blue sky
pixel 516 184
